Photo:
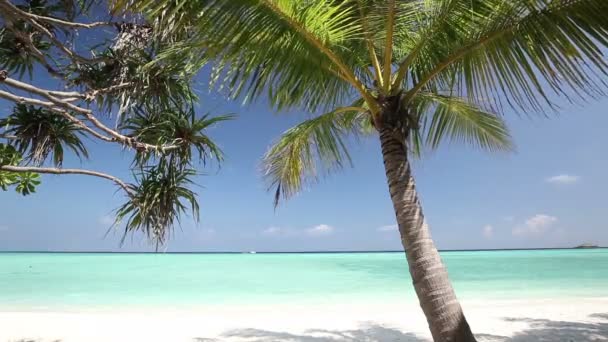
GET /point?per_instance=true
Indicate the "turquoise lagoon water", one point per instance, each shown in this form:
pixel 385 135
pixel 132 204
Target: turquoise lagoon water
pixel 88 281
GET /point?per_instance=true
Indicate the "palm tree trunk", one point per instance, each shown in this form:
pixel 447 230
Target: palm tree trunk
pixel 435 293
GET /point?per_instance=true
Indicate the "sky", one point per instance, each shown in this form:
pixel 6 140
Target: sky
pixel 550 192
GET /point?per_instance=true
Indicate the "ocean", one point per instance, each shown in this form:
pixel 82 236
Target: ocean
pixel 106 281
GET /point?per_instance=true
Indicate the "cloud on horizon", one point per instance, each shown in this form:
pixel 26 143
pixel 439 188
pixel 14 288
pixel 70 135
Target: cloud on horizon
pixel 563 179
pixel 535 225
pixel 322 229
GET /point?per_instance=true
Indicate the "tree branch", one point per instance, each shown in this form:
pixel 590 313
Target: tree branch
pixel 27 40
pixel 57 171
pixel 90 95
pixel 51 106
pixel 56 104
pixel 9 137
pixel 65 23
pixel 8 6
pixel 453 58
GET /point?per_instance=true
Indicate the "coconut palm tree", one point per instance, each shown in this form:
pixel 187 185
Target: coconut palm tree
pixel 418 72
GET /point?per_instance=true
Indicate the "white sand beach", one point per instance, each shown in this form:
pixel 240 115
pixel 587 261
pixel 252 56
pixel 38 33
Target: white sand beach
pixel 551 320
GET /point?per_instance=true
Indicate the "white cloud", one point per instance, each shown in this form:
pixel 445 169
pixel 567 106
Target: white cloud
pixel 320 230
pixel 487 231
pixel 563 179
pixel 389 228
pixel 535 225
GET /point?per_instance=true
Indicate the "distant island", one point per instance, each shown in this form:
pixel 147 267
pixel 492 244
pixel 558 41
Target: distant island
pixel 587 245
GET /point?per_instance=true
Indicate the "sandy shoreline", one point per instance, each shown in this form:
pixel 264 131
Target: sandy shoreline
pixel 570 319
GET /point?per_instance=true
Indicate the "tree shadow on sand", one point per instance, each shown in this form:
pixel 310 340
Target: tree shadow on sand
pixel 540 330
pixel 368 333
pixel 545 330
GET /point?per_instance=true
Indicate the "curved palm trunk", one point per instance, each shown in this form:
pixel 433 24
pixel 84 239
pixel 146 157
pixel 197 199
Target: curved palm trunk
pixel 437 298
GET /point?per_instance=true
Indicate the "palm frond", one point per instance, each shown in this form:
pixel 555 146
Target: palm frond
pixel 518 52
pixel 316 143
pixel 300 53
pixel 444 117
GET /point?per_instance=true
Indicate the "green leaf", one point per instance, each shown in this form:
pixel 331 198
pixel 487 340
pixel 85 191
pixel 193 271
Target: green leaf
pixel 174 126
pixel 517 53
pixel 26 183
pixel 318 142
pixel 292 51
pixel 40 133
pixel 446 117
pixel 158 201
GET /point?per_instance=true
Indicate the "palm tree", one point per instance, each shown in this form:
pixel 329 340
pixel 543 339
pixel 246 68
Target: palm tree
pixel 417 72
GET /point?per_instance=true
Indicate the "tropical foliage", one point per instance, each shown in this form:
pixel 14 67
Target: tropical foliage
pixel 419 72
pixel 114 93
pixel 40 133
pixel 450 66
pixel 24 182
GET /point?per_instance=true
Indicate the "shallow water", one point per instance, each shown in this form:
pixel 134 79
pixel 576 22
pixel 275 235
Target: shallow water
pixel 89 281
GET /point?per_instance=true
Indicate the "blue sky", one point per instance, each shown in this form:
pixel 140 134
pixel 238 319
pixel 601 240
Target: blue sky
pixel 550 193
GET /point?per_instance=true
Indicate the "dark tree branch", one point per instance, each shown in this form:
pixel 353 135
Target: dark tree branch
pixel 27 40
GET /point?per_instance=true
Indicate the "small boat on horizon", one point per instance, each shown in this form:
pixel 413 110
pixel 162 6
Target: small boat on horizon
pixel 587 245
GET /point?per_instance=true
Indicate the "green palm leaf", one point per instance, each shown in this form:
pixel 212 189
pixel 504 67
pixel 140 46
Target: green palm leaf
pixel 457 62
pixel 517 52
pixel 318 143
pixel 300 53
pixel 447 117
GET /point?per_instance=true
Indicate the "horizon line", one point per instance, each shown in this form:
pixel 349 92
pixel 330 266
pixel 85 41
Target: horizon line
pixel 297 252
